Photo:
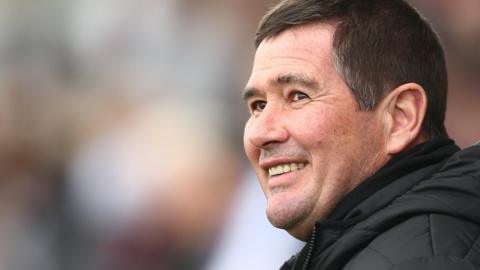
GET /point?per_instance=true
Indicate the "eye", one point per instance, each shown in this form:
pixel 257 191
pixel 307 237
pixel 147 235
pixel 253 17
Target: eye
pixel 257 106
pixel 297 96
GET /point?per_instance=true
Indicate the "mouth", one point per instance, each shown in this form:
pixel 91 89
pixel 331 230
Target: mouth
pixel 285 168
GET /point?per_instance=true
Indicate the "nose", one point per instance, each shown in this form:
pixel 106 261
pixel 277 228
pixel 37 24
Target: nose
pixel 266 129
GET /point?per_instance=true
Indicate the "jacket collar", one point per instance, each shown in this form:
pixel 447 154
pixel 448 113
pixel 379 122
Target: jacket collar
pixel 420 156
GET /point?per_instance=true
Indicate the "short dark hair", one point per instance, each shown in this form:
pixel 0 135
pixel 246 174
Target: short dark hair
pixel 378 45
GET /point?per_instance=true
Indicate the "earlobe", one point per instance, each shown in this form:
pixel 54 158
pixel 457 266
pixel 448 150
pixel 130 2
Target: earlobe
pixel 405 109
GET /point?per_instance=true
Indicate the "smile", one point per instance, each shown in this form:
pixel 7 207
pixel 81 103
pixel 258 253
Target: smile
pixel 284 168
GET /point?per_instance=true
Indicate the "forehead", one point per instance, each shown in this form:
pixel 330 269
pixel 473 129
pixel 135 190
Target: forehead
pixel 307 48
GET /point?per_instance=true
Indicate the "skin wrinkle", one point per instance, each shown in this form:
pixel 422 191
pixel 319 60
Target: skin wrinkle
pixel 283 58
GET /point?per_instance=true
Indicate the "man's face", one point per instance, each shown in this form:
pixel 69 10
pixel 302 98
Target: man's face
pixel 306 139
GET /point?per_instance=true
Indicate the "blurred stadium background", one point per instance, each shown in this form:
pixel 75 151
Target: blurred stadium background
pixel 121 125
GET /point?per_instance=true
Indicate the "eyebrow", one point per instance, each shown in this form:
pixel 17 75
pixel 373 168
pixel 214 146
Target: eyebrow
pixel 285 79
pixel 297 79
pixel 250 92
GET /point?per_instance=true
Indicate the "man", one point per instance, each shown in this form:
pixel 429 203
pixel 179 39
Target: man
pixel 346 135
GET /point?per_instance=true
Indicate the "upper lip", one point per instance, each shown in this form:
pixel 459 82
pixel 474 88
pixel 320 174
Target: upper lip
pixel 268 163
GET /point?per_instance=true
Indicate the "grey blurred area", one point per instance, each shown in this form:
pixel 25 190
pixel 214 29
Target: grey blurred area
pixel 121 131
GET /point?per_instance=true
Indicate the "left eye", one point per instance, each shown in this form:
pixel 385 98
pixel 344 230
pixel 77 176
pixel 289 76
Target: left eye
pixel 296 96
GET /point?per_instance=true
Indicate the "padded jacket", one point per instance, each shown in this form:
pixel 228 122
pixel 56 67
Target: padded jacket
pixel 421 211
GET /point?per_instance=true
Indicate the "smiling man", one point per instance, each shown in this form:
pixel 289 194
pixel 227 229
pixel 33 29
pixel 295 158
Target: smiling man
pixel 346 135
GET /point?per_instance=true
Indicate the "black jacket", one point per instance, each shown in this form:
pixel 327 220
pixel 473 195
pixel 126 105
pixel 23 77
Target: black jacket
pixel 421 211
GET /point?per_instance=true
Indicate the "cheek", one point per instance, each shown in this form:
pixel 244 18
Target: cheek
pixel 313 127
pixel 337 124
pixel 326 130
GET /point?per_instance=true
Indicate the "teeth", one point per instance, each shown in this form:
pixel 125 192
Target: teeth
pixel 284 168
pixel 294 166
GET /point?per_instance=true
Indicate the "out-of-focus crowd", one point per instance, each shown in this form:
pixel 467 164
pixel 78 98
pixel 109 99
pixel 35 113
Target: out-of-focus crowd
pixel 121 131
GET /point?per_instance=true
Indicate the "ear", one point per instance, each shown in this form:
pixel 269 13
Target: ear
pixel 404 109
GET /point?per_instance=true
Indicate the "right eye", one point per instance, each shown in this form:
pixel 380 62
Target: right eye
pixel 257 106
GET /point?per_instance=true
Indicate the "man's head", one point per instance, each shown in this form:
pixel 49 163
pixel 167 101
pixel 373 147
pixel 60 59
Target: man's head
pixel 337 88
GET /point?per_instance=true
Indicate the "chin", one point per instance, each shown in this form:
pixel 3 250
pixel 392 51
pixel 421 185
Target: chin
pixel 286 211
pixel 282 223
pixel 284 219
pixel 295 227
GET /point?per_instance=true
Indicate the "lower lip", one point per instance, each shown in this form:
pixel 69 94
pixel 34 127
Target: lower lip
pixel 285 179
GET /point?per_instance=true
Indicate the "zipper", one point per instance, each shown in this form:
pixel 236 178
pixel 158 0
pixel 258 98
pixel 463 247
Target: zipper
pixel 311 246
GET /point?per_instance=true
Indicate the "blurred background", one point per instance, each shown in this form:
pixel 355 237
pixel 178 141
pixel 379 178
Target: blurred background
pixel 121 128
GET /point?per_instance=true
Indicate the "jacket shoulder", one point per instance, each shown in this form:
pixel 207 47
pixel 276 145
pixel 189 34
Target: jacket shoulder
pixel 437 263
pixel 423 242
pixel 464 162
